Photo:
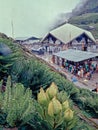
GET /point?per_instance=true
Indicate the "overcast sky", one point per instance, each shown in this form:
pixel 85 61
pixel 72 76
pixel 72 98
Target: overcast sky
pixel 31 17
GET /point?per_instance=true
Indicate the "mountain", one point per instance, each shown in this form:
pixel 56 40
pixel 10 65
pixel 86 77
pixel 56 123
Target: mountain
pixel 86 6
pixel 84 15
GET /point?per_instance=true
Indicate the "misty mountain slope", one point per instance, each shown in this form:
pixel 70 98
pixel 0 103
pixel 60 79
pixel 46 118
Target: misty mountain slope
pixel 86 6
pixel 85 15
pixel 88 21
pixel 85 19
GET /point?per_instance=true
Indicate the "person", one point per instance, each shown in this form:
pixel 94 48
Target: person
pixel 88 75
pixel 96 87
pixel 96 68
pixel 66 65
pixel 74 79
pixel 79 73
pixel 83 46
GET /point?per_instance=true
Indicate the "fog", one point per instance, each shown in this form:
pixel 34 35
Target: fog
pixel 31 17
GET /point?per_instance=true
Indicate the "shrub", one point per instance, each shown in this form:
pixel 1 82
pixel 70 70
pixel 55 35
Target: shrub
pixel 54 108
pixel 16 105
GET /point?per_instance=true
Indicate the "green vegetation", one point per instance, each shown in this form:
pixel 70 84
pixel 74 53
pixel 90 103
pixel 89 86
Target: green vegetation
pixel 85 19
pixel 16 105
pixel 34 74
pixel 6 61
pixel 88 101
pixel 39 75
pixel 31 73
pixel 54 108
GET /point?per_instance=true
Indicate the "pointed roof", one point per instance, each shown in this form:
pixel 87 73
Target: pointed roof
pixel 69 32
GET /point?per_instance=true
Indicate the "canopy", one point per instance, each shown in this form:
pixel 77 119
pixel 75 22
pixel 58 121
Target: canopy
pixel 75 55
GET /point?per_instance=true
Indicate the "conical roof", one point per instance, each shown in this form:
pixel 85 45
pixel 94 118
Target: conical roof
pixel 69 32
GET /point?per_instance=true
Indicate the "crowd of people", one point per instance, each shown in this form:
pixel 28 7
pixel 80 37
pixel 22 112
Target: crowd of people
pixel 82 70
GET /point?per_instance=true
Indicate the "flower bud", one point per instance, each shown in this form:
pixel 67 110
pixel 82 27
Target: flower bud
pixel 47 91
pixel 54 107
pixel 65 105
pixel 68 114
pixel 50 109
pixel 42 97
pixel 52 90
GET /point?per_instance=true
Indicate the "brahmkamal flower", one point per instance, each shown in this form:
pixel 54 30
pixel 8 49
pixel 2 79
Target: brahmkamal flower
pixel 52 90
pixel 54 107
pixel 68 114
pixel 65 105
pixel 42 97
